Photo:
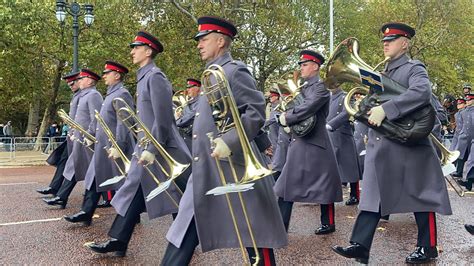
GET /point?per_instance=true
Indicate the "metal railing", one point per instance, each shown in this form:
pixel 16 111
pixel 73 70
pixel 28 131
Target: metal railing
pixel 17 150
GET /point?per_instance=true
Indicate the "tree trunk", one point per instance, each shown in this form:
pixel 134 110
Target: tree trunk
pixel 51 108
pixel 33 116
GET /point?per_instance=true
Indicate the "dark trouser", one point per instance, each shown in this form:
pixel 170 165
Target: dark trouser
pixel 286 207
pixel 276 175
pixel 123 226
pixel 183 255
pixel 355 190
pixel 108 195
pixel 66 189
pixel 460 166
pixel 91 198
pixel 366 224
pixel 58 177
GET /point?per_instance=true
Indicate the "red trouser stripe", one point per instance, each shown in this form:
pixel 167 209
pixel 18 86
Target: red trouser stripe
pixel 357 191
pixel 331 213
pixel 432 222
pixel 109 195
pixel 266 257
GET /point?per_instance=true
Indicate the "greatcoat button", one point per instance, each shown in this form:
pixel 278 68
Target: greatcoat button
pixel 194 136
pixel 197 114
pixel 377 138
pixel 196 159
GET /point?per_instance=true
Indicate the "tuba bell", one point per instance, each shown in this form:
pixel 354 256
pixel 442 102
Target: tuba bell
pixel 345 65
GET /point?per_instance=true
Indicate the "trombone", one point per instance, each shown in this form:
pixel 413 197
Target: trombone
pixel 73 124
pixel 123 157
pixel 215 87
pixel 136 126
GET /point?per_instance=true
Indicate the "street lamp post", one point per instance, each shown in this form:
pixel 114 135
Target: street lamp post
pixel 74 9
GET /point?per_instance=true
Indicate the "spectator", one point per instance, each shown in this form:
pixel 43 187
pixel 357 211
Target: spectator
pixel 7 132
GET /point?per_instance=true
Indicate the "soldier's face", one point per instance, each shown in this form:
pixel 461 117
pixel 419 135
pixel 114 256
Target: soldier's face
pixel 193 91
pixel 395 48
pixel 140 54
pixel 466 90
pixel 308 69
pixel 210 45
pixel 111 78
pixel 460 106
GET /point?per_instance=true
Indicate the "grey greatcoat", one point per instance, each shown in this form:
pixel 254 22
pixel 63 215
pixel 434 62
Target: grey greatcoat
pixel 185 122
pixel 72 114
pixel 101 167
pixel 154 108
pixel 467 132
pixel 211 213
pixel 469 166
pixel 400 178
pixel 310 173
pixel 281 150
pixel 440 116
pixel 78 162
pixel 342 139
pixel 458 119
pixel 360 131
pixel 272 125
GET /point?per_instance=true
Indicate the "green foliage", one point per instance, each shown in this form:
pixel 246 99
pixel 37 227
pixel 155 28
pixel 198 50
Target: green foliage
pixel 34 46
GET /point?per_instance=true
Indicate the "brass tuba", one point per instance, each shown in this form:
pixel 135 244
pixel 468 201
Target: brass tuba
pixel 180 100
pixel 345 65
pixel 123 157
pixel 215 87
pixel 73 124
pixel 128 117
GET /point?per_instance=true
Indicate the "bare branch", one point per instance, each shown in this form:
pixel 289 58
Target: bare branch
pixel 184 11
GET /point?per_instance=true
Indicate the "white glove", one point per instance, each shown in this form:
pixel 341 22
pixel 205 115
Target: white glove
pixel 89 142
pixel 287 130
pixel 377 115
pixel 146 158
pixel 72 138
pixel 113 153
pixel 329 127
pixel 221 150
pixel 282 119
pixel 177 115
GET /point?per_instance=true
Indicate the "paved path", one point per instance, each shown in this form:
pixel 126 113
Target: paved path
pixel 32 232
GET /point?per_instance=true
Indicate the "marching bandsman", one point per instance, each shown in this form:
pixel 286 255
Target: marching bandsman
pixel 101 167
pixel 205 219
pixel 460 104
pixel 154 109
pixel 80 157
pixel 463 144
pixel 281 149
pixel 467 132
pixel 393 180
pixel 271 124
pixel 185 122
pixel 342 140
pixel 466 88
pixel 59 156
pixel 310 173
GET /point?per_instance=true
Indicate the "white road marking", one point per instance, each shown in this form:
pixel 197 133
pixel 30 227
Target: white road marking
pixel 13 184
pixel 33 221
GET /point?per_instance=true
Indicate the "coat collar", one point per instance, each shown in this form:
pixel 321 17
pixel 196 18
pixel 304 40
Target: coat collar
pixel 336 92
pixel 87 90
pixel 221 60
pixel 312 80
pixel 193 100
pixel 392 64
pixel 144 70
pixel 114 88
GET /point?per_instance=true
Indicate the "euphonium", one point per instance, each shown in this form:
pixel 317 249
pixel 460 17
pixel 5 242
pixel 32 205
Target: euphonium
pixel 123 157
pixel 215 87
pixel 134 124
pixel 345 65
pixel 180 99
pixel 73 124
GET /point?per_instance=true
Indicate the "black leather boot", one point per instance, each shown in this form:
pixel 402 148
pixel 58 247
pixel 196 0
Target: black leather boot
pixel 81 216
pixel 46 191
pixel 56 201
pixel 354 251
pixel 325 229
pixel 469 228
pixel 111 245
pixel 352 201
pixel 422 255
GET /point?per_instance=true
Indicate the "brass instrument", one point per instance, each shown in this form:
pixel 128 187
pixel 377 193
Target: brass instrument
pixel 345 65
pixel 123 157
pixel 215 87
pixel 73 124
pixel 135 125
pixel 180 99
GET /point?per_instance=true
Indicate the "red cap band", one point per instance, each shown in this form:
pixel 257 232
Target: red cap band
pixel 85 74
pixel 114 68
pixel 312 58
pixel 193 83
pixel 213 27
pixel 145 40
pixel 389 32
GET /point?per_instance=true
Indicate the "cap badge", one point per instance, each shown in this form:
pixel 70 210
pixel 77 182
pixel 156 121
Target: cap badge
pixel 387 30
